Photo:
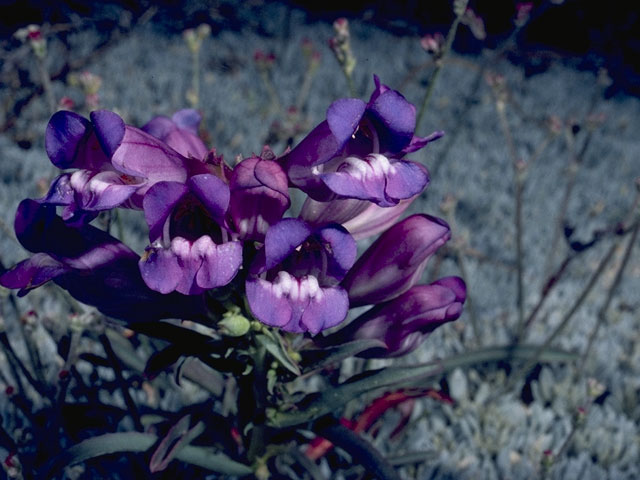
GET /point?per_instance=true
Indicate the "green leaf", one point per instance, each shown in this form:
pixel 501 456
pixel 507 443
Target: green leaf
pixel 275 348
pixel 109 443
pixel 314 359
pixel 178 437
pixel 333 399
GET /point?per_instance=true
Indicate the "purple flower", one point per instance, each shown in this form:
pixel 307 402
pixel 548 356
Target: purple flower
pixel 180 132
pixel 94 267
pixel 190 250
pixel 404 322
pixel 293 280
pixel 116 164
pixel 259 196
pixel 396 260
pixel 357 151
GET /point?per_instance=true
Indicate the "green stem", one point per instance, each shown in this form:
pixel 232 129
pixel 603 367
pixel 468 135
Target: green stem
pixel 117 369
pixel 567 318
pixel 451 35
pixel 258 432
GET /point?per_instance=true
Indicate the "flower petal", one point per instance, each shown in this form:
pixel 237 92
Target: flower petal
pixel 158 203
pixel 296 305
pixel 160 269
pixel 343 117
pixel 109 129
pixel 180 132
pixel 340 249
pixel 32 272
pixel 259 196
pixel 394 118
pixel 282 239
pixel 70 142
pixel 404 181
pixel 220 263
pixel 213 193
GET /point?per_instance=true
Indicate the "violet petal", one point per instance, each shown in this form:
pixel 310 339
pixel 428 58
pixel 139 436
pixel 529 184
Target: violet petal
pixel 158 203
pixel 396 260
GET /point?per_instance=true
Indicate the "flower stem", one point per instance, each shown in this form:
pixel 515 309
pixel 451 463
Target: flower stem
pixel 518 175
pixel 451 35
pixel 257 442
pixel 117 369
pixel 565 321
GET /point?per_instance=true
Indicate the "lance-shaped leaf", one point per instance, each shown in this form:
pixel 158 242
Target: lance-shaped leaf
pixel 333 399
pixel 110 443
pixel 179 436
pixel 316 358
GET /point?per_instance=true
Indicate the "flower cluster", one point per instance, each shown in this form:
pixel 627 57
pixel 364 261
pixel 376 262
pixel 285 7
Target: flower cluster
pixel 212 226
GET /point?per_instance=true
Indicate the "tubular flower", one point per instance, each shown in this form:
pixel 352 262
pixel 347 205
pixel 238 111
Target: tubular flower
pixel 357 151
pixel 116 164
pixel 293 280
pixel 395 262
pixel 190 250
pixel 404 322
pixel 93 266
pixel 209 223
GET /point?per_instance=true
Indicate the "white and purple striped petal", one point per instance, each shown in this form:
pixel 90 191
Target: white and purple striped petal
pixel 190 267
pixel 377 179
pixel 296 304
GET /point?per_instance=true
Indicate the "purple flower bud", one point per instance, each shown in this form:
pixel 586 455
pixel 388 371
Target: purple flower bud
pixel 404 322
pixel 180 132
pixel 259 196
pixel 395 262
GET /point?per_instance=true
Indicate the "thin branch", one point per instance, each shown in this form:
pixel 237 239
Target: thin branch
pixel 117 369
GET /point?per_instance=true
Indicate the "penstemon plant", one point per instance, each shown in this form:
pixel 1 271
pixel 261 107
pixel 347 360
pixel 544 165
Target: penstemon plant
pixel 234 278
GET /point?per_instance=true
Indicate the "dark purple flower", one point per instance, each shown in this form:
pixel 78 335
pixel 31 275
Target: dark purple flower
pixel 190 250
pixel 357 151
pixel 396 260
pixel 116 164
pixel 293 280
pixel 180 132
pixel 404 322
pixel 259 197
pixel 94 267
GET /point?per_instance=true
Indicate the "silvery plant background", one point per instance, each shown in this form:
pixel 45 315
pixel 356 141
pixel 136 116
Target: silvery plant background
pixel 571 120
